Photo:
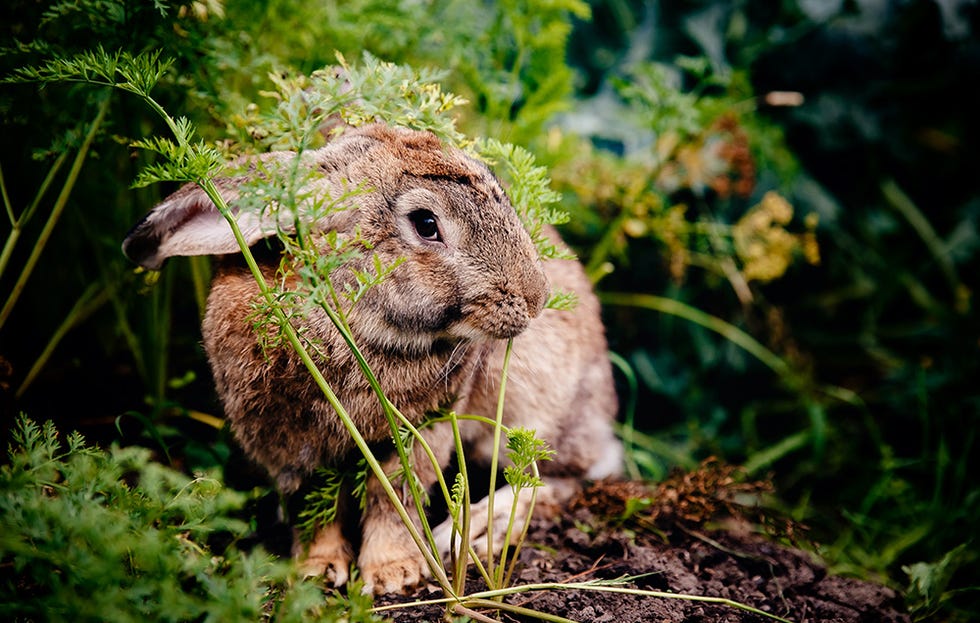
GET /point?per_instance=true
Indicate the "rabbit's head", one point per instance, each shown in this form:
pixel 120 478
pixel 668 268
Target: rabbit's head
pixel 469 268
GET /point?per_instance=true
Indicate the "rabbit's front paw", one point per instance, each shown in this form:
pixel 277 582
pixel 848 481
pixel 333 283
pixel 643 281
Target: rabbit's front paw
pixel 329 555
pixel 390 565
pixel 480 522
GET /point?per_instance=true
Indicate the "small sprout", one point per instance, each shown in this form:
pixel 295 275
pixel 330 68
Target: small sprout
pixel 366 280
pixel 457 496
pixel 321 505
pixel 524 449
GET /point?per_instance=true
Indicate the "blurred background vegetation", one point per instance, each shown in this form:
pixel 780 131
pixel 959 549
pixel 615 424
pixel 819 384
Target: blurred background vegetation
pixel 778 202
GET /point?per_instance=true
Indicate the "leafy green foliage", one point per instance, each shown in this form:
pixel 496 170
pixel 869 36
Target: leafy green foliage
pixel 96 535
pixel 357 94
pixel 137 74
pixel 512 58
pixel 321 504
pixel 928 582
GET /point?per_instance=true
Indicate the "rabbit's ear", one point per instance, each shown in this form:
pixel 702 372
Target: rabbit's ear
pixel 188 223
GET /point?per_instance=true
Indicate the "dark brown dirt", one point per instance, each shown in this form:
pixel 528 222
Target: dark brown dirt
pixel 673 555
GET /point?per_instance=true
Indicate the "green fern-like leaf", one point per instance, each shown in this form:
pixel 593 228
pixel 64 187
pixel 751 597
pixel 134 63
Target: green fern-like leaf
pixel 137 73
pixel 87 534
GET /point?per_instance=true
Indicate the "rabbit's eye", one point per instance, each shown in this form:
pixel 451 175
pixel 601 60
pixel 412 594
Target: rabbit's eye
pixel 426 225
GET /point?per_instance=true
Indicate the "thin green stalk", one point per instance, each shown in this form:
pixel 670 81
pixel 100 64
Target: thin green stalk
pixel 731 333
pixel 897 198
pixel 472 614
pixel 502 567
pixel 764 458
pixel 56 211
pixel 129 335
pixel 7 204
pixel 466 416
pixel 524 529
pixel 629 426
pixel 394 416
pixel 656 445
pixel 43 188
pixel 454 417
pixel 199 277
pixel 479 565
pixel 459 574
pixel 17 223
pixel 728 331
pixel 8 247
pixel 494 460
pixel 521 611
pixel 160 310
pixel 484 599
pixel 94 297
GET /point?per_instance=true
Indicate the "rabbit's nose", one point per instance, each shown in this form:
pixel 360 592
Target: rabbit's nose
pixel 509 315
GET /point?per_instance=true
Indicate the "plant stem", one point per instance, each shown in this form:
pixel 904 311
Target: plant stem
pixel 56 211
pixel 733 334
pixel 17 223
pixel 459 573
pixel 7 205
pixel 629 427
pixel 729 331
pixel 525 528
pixel 494 460
pixel 394 417
pixel 93 298
pixel 904 205
pixel 199 277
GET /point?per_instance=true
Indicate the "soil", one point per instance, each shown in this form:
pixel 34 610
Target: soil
pixel 666 547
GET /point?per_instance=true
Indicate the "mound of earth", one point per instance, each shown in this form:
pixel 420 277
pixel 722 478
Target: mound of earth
pixel 660 547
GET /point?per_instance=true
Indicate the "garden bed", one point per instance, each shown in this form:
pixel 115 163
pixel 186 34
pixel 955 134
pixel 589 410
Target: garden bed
pixel 730 562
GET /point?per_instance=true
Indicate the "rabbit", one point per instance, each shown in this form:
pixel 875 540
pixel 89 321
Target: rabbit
pixel 434 333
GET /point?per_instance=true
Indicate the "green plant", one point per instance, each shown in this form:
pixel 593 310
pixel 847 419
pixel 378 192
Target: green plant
pixel 99 535
pixel 928 591
pixel 69 280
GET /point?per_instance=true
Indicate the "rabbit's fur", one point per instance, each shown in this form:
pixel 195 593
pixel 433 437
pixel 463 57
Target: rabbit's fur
pixel 433 332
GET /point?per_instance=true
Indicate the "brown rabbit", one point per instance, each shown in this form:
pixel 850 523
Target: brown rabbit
pixel 433 332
